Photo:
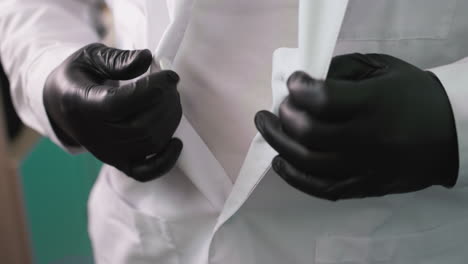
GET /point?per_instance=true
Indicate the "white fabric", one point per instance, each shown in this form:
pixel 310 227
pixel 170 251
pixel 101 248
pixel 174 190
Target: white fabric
pixel 222 50
pixel 324 19
pixel 453 78
pixel 33 43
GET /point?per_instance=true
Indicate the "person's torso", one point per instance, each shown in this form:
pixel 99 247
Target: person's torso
pixel 223 52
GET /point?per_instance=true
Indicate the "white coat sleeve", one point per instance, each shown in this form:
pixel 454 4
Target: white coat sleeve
pixel 454 78
pixel 35 37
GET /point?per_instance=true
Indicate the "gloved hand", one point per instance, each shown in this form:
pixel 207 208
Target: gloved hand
pixel 129 127
pixel 376 126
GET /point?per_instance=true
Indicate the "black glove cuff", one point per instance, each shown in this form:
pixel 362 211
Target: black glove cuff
pixel 452 161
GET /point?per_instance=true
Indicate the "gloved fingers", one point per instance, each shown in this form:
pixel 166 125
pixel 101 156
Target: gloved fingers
pixel 316 185
pixel 355 67
pixel 313 133
pixel 364 187
pixel 270 128
pixel 149 90
pixel 128 137
pixel 158 116
pixel 331 100
pixel 157 127
pixel 155 122
pixel 117 64
pixel 135 147
pixel 139 148
pixel 158 164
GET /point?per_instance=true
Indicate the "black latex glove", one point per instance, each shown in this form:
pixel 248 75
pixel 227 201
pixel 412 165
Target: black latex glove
pixel 129 127
pixel 376 126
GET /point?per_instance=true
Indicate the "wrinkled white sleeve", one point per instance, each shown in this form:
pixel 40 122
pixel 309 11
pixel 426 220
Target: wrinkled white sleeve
pixel 35 37
pixel 454 77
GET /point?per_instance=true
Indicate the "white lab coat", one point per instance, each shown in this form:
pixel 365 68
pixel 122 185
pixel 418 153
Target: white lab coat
pixel 203 211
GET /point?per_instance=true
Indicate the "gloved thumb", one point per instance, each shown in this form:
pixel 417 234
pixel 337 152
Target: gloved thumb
pixel 117 64
pixel 355 67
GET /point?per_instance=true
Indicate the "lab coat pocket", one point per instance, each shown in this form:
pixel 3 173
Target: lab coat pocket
pixel 398 19
pixel 121 234
pixel 442 244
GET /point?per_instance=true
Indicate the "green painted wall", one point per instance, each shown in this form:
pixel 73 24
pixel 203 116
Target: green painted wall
pixel 56 188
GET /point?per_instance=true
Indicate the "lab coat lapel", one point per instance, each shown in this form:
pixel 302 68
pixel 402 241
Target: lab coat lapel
pixel 199 164
pixel 260 154
pixel 167 44
pixel 258 160
pixel 196 161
